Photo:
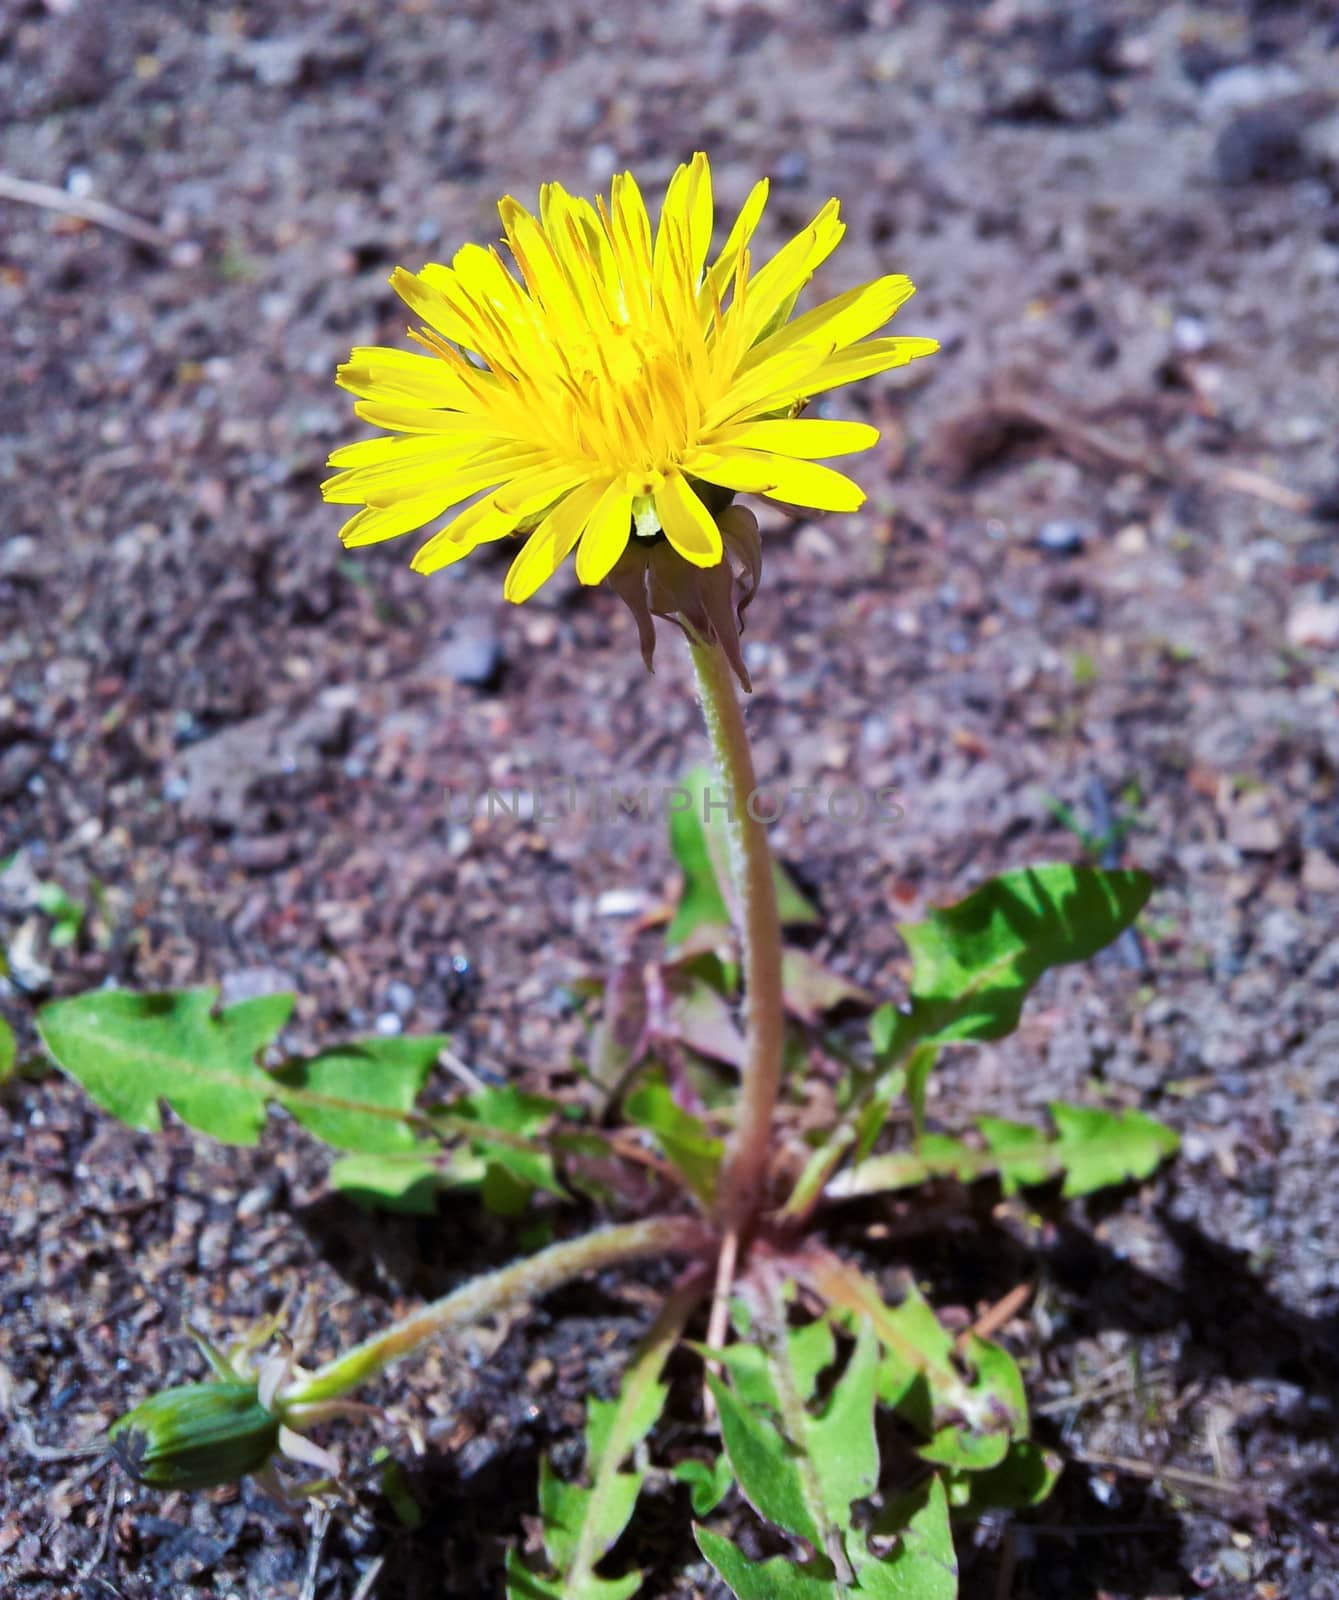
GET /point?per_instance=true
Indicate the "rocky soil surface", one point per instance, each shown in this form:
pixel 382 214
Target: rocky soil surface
pixel 1099 566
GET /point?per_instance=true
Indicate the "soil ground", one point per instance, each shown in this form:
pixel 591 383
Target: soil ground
pixel 1099 565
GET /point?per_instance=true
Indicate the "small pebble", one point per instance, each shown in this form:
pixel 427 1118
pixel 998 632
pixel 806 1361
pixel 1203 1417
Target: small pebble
pixel 1189 335
pixel 1234 1564
pixel 211 1251
pixel 1259 146
pixel 400 997
pixel 473 658
pixel 791 169
pixel 1061 537
pixel 251 983
pixel 620 903
pixel 1314 624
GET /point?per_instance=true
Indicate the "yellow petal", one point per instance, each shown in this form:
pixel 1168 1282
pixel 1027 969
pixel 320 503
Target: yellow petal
pixel 481 275
pixel 687 211
pixel 810 438
pixel 386 450
pixel 375 523
pixel 723 268
pixel 430 303
pixel 547 547
pixel 606 534
pixel 790 269
pixel 630 235
pixel 534 490
pixel 457 475
pixel 787 370
pixel 688 525
pixel 544 276
pixel 840 321
pixel 475 525
pixel 439 552
pixel 863 361
pixel 402 418
pixel 574 229
pixel 797 483
pixel 378 373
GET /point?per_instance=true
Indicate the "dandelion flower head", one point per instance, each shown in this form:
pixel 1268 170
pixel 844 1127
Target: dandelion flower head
pixel 612 390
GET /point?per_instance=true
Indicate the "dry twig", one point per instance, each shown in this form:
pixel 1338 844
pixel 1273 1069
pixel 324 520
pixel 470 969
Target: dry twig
pixel 85 207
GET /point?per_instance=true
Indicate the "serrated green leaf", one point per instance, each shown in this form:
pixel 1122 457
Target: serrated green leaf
pixel 841 1438
pixel 1097 1148
pixel 811 1351
pixel 922 1565
pixel 523 1584
pixel 804 1471
pixel 8 1050
pixel 708 1482
pixel 583 1520
pixel 777 1579
pixel 683 1138
pixel 763 1463
pixel 1092 1147
pixel 129 1051
pixel 1024 1478
pixel 974 962
pixel 406 1181
pixel 973 965
pixel 799 1469
pixel 1022 1155
pixel 967 1417
pixel 388 1073
pixel 502 1124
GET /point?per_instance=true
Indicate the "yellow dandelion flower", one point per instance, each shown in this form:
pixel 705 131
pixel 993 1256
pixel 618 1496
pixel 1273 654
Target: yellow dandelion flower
pixel 617 393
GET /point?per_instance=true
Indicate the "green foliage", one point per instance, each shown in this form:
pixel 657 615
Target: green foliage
pixel 395 1486
pixel 966 1402
pixel 803 1468
pixel 1093 1148
pixel 973 965
pixel 501 1125
pixel 974 962
pixel 132 1051
pixel 921 1566
pixel 583 1520
pixel 701 903
pixel 338 1087
pixel 1025 1477
pixel 708 1482
pixel 66 914
pixel 8 1050
pixel 683 1138
pixel 796 1403
pixel 407 1181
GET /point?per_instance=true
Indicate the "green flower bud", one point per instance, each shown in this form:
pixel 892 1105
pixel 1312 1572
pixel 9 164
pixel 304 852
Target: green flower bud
pixel 196 1436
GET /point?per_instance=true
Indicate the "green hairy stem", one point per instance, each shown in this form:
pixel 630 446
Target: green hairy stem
pixel 481 1297
pixel 744 1169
